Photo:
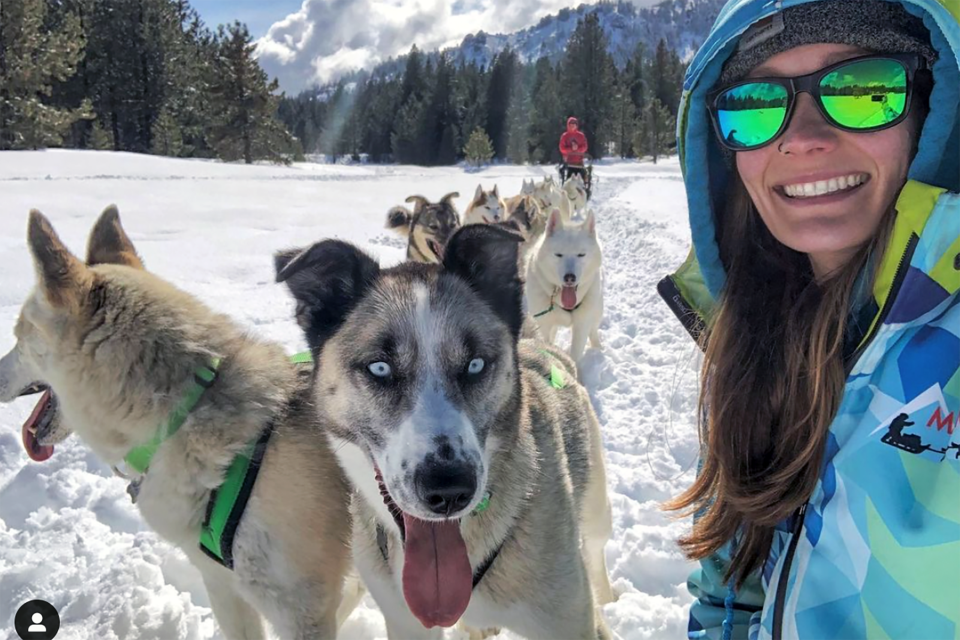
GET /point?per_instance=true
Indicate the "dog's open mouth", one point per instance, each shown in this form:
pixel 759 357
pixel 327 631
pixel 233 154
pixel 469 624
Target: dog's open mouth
pixel 39 423
pixel 437 578
pixel 436 248
pixel 568 297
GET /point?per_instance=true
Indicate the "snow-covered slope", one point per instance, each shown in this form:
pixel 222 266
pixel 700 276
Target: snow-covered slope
pixel 683 24
pixel 68 532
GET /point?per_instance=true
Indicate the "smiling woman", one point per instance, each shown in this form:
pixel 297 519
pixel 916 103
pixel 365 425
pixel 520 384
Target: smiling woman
pixel 823 288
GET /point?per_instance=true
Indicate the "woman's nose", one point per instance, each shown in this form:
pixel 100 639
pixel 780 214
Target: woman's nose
pixel 808 131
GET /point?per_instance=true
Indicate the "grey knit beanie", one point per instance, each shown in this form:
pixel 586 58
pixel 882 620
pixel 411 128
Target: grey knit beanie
pixel 875 25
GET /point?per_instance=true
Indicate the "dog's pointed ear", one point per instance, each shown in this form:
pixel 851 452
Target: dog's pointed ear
pixel 478 194
pixel 496 193
pixel 591 223
pixel 109 243
pixel 486 256
pixel 419 202
pixel 327 280
pixel 450 196
pixel 554 222
pixel 61 276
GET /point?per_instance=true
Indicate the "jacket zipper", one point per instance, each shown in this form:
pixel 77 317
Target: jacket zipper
pixel 898 277
pixel 785 574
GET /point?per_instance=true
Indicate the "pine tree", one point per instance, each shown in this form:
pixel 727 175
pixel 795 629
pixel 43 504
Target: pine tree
pixel 479 148
pixel 32 59
pixel 165 135
pixel 666 77
pixel 656 132
pixel 247 128
pixel 470 100
pixel 546 118
pixel 518 116
pixel 587 82
pixel 499 96
pixel 100 139
pixel 624 116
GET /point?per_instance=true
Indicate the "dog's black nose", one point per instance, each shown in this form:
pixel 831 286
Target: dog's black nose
pixel 569 279
pixel 445 489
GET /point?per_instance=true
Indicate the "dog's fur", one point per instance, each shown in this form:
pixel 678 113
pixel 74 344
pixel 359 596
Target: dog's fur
pixel 548 195
pixel 433 423
pixel 487 207
pixel 574 197
pixel 531 221
pixel 567 254
pixel 427 228
pixel 120 347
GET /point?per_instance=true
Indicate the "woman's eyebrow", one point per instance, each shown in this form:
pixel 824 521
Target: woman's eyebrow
pixel 829 59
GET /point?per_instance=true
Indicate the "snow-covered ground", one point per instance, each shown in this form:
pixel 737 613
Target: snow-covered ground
pixel 68 532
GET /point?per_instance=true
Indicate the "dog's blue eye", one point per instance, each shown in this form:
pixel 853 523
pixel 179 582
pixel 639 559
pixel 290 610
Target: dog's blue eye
pixel 475 366
pixel 380 369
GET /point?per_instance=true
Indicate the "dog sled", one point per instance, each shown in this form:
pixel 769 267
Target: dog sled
pixel 586 172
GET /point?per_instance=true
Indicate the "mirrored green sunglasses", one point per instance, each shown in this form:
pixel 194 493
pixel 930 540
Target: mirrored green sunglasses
pixel 867 93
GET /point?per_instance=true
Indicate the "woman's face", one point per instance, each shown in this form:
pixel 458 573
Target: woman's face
pixel 831 227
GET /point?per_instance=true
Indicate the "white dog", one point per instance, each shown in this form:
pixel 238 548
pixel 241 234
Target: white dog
pixel 574 199
pixel 548 195
pixel 565 282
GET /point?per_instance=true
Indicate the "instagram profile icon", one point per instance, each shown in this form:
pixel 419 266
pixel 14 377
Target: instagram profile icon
pixel 37 620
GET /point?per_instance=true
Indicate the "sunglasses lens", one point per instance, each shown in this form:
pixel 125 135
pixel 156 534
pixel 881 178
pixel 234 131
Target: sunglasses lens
pixel 750 114
pixel 866 94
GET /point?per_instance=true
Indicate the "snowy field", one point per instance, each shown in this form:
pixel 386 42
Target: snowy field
pixel 68 532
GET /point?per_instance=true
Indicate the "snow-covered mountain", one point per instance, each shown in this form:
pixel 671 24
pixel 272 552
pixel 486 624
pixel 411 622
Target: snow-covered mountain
pixel 683 24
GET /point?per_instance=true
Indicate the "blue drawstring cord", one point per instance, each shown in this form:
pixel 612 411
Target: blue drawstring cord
pixel 728 607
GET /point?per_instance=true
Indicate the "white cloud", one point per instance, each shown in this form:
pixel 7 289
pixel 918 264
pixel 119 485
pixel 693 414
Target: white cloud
pixel 328 37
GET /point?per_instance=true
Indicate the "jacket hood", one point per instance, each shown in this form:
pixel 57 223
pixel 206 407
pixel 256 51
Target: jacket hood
pixel 937 161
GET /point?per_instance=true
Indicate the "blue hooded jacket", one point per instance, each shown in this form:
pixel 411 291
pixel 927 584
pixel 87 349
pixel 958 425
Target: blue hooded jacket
pixel 875 552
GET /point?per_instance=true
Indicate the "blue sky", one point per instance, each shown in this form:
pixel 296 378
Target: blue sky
pixel 258 14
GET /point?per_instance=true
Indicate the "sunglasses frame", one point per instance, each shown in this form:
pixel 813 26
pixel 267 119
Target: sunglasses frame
pixel 810 83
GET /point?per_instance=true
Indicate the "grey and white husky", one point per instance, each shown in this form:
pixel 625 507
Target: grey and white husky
pixel 427 228
pixel 476 456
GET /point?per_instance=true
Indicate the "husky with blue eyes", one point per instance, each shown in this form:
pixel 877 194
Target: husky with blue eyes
pixel 475 456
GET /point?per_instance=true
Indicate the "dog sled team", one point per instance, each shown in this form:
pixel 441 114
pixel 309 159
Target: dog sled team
pixel 433 447
pixel 560 256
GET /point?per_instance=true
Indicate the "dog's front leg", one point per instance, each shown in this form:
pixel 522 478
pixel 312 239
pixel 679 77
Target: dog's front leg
pixel 578 342
pixel 237 619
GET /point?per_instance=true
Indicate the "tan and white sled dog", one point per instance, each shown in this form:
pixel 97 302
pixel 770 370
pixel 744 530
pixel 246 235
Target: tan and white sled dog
pixel 487 207
pixel 150 378
pixel 476 456
pixel 564 285
pixel 427 228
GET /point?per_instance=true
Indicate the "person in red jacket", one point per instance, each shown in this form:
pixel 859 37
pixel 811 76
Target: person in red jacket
pixel 573 147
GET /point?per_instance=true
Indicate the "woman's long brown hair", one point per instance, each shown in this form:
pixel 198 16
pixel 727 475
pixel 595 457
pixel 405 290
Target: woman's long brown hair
pixel 772 380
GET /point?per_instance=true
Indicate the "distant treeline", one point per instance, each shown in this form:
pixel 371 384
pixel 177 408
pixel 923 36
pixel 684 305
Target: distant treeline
pixel 426 114
pixel 138 75
pixel 148 76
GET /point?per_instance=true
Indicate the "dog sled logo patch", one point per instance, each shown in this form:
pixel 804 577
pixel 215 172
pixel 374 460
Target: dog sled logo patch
pixel 933 433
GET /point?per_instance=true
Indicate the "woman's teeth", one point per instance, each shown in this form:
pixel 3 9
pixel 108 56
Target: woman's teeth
pixel 823 187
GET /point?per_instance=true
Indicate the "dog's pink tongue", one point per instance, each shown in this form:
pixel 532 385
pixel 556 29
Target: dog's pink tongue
pixel 568 298
pixel 437 579
pixel 35 450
